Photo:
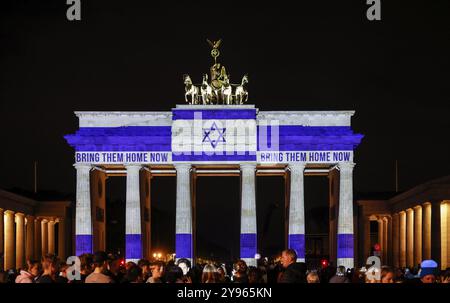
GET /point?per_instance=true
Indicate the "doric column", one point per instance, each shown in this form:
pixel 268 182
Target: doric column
pixel 345 240
pixel 145 187
pixel 20 240
pixel 37 239
pixel 297 211
pixel 248 237
pixel 44 236
pixel 436 231
pixel 183 213
pixel 426 224
pixel 381 235
pixel 395 240
pixel 410 237
pixel 61 239
pixel 51 237
pixel 385 241
pixel 402 239
pixel 2 231
pixel 9 257
pixel 417 235
pixel 133 231
pixel 445 234
pixel 83 213
pixel 29 249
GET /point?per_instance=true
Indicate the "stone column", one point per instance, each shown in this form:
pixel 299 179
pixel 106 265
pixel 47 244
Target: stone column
pixel 345 240
pixel 248 241
pixel 20 240
pixel 183 213
pixel 29 250
pixel 61 239
pixel 410 237
pixel 44 236
pixel 133 231
pixel 385 241
pixel 380 235
pixel 445 234
pixel 9 257
pixel 385 248
pixel 402 239
pixel 395 240
pixel 426 224
pixel 37 239
pixel 296 239
pixel 145 188
pixel 436 231
pixel 83 213
pixel 2 232
pixel 51 237
pixel 417 235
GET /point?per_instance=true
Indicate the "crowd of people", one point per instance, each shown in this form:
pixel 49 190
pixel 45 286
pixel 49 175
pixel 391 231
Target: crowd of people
pixel 107 268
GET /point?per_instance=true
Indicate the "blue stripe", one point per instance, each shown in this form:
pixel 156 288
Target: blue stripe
pixel 127 138
pixel 159 138
pixel 83 244
pixel 183 245
pixel 218 114
pixel 133 246
pixel 302 138
pixel 345 243
pixel 248 245
pixel 297 243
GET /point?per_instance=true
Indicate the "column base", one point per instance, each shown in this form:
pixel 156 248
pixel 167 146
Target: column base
pixel 133 247
pixel 248 248
pixel 83 244
pixel 297 243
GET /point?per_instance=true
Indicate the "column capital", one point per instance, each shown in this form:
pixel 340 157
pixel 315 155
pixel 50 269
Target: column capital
pixel 297 166
pixel 31 217
pixel 9 212
pixel 346 165
pixel 82 166
pixel 247 166
pixel 20 215
pixel 182 166
pixel 130 166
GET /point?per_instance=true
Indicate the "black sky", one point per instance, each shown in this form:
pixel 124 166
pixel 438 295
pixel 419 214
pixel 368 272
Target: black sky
pixel 314 55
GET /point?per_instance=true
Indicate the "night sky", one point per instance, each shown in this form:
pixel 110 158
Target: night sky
pixel 314 55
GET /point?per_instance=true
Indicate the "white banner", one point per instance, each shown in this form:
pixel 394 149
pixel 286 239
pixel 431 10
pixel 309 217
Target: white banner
pixel 164 157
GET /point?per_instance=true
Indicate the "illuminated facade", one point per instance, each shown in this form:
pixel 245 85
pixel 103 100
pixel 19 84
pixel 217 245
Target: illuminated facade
pixel 198 140
pixel 31 228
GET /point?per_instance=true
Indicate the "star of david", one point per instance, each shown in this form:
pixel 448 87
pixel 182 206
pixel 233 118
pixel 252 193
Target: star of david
pixel 214 135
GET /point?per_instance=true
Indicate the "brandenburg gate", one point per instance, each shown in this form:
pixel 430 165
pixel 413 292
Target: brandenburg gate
pixel 214 133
